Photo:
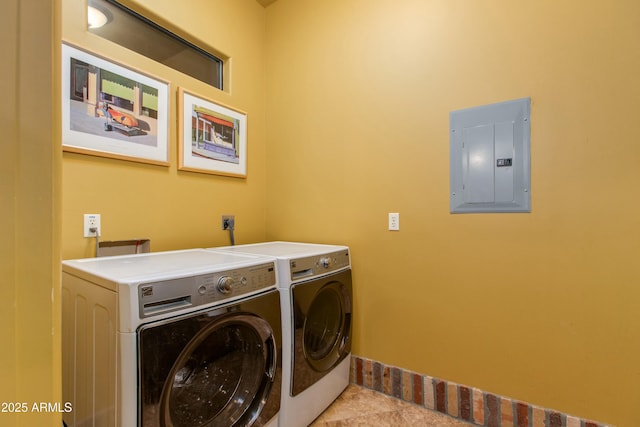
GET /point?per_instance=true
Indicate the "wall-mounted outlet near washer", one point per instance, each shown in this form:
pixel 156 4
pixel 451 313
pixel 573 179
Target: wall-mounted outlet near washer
pixel 92 225
pixel 228 222
pixel 394 221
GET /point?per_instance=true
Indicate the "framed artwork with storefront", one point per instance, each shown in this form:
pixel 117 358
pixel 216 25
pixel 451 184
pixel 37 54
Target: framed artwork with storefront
pixel 110 110
pixel 212 136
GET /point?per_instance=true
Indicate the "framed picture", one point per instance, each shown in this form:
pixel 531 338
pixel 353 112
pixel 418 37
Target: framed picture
pixel 110 110
pixel 212 137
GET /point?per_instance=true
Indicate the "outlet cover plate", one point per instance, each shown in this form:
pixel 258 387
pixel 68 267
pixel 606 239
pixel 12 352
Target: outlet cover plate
pixel 394 221
pixel 92 221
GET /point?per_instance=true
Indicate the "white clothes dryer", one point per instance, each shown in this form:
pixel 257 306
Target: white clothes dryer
pixel 181 339
pixel 316 299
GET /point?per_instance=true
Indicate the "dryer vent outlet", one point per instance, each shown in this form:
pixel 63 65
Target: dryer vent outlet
pixel 228 222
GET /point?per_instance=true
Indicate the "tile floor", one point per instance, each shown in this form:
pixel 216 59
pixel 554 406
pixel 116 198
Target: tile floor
pixel 358 406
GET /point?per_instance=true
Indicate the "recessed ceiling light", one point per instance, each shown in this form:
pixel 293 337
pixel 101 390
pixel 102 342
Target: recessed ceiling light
pixel 95 18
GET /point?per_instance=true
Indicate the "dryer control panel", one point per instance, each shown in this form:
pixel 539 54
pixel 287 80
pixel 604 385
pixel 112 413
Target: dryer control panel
pixel 175 294
pixel 302 268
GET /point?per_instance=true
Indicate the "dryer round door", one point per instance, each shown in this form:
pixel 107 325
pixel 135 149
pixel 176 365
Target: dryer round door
pixel 326 326
pixel 322 336
pixel 221 376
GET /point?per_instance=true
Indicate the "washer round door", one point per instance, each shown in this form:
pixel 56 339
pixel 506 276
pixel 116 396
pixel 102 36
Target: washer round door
pixel 322 335
pixel 215 369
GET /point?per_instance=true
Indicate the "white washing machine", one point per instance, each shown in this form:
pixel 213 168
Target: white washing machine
pixel 316 299
pixel 177 339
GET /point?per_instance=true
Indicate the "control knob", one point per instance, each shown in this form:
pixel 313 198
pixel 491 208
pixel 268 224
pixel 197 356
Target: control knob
pixel 224 284
pixel 325 262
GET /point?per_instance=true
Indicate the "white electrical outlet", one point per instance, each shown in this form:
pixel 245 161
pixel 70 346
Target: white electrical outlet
pixel 394 221
pixel 92 225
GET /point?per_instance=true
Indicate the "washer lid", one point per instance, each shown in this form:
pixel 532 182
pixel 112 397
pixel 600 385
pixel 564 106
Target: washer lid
pixel 159 265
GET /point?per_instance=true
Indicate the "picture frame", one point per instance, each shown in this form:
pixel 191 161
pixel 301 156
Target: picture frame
pixel 111 110
pixel 212 136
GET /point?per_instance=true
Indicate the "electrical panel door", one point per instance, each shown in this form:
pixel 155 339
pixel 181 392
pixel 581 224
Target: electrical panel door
pixel 489 158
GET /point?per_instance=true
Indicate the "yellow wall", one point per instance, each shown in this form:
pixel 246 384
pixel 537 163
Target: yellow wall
pixel 541 307
pixel 30 163
pixel 175 209
pixel 348 107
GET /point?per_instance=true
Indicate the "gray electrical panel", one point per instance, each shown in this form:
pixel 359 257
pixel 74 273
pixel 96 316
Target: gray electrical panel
pixel 489 158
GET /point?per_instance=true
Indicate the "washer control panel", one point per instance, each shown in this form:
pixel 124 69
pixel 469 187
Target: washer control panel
pixel 175 294
pixel 320 264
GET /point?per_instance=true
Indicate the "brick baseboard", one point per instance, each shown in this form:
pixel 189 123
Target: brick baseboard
pixel 458 401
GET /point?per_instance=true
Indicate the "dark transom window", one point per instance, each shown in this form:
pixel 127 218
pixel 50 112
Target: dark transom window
pixel 115 22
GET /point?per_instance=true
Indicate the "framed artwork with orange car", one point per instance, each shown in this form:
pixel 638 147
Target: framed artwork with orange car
pixel 110 110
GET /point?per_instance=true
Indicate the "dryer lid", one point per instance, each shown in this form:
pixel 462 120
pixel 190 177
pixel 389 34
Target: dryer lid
pixel 283 249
